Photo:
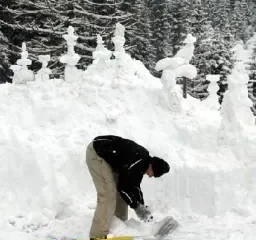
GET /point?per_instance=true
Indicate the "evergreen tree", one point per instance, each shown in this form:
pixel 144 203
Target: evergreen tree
pixel 232 4
pixel 4 66
pixel 252 81
pixel 154 29
pixel 224 59
pixel 252 9
pixel 138 32
pixel 219 14
pixel 200 27
pixel 160 27
pixel 179 15
pixel 240 20
pixel 41 24
pixel 35 23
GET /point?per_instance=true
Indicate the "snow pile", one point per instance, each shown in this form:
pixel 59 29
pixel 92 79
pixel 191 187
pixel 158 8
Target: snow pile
pixel 45 188
pixel 121 70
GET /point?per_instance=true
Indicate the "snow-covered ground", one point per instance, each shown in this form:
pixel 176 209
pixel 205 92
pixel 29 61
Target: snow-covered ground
pixel 45 188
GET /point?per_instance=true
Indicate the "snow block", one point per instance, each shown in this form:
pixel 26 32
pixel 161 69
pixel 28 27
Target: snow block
pixel 204 191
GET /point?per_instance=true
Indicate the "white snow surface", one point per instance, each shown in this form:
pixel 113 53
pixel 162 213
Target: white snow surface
pixel 46 191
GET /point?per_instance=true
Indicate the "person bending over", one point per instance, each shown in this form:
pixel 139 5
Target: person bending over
pixel 117 166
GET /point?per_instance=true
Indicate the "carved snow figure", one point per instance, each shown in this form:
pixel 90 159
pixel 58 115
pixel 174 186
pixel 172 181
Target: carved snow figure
pixel 187 52
pixel 235 109
pixel 101 55
pixel 212 100
pixel 44 72
pixel 119 52
pixel 21 72
pixel 177 66
pixel 71 58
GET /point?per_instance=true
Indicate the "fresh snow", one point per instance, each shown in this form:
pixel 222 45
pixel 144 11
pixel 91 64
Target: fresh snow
pixel 46 191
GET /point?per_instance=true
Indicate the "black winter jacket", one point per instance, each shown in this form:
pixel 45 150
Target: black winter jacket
pixel 129 160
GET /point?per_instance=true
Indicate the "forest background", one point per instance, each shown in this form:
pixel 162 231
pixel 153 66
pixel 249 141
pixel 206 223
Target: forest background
pixel 155 29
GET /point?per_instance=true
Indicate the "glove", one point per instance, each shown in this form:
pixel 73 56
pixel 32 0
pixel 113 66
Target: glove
pixel 143 213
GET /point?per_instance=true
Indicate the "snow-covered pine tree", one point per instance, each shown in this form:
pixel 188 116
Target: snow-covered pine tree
pixel 240 20
pixel 219 13
pixel 200 27
pixel 100 17
pixel 8 50
pixel 138 32
pixel 42 23
pixel 89 18
pixel 223 56
pixel 252 81
pixel 160 27
pixel 179 14
pixel 36 23
pixel 252 10
pixel 232 4
pixel 4 66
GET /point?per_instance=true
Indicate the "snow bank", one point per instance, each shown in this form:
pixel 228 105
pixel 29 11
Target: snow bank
pixel 45 129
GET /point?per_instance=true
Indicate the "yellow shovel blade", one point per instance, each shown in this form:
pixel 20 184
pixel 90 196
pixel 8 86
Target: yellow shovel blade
pixel 121 238
pixel 115 238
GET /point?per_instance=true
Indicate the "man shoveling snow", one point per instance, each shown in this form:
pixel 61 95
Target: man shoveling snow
pixel 117 166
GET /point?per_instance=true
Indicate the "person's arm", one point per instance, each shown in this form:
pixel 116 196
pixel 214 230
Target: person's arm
pixel 129 188
pixel 131 195
pixel 129 183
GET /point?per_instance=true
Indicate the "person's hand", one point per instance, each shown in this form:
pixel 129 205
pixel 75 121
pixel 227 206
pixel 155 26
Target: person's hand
pixel 144 213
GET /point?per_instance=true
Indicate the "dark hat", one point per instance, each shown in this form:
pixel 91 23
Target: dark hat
pixel 159 166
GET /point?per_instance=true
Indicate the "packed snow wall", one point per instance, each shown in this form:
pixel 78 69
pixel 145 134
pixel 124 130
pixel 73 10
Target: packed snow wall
pixel 200 190
pixel 45 128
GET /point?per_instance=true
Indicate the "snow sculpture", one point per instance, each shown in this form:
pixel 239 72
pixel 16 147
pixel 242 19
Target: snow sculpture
pixel 44 72
pixel 121 69
pixel 242 100
pixel 213 100
pixel 101 55
pixel 71 58
pixel 21 72
pixel 235 108
pixel 101 65
pixel 187 51
pixel 119 41
pixel 188 71
pixel 177 66
pixel 119 53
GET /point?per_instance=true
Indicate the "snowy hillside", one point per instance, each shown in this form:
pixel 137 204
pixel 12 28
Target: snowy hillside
pixel 47 193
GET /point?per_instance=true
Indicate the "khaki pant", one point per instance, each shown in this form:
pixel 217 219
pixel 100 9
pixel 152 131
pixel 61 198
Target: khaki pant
pixel 109 202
